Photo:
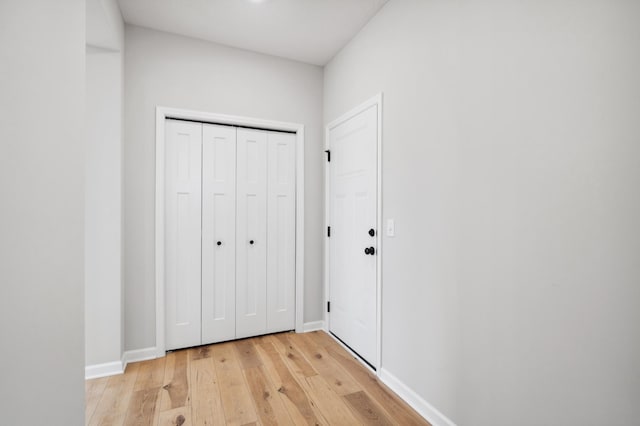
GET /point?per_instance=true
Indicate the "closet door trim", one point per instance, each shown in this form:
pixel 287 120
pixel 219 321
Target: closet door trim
pixel 164 113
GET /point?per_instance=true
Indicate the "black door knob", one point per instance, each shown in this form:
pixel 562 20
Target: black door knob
pixel 219 243
pixel 251 242
pixel 372 232
pixel 372 251
pixel 366 250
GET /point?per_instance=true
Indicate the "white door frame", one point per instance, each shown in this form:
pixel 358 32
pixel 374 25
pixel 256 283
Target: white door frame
pixel 162 114
pixel 377 101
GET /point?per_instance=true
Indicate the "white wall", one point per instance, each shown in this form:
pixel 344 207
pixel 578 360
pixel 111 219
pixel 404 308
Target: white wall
pixel 511 164
pixel 42 60
pixel 174 71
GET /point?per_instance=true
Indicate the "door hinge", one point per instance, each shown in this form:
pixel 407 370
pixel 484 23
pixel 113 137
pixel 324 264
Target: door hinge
pixel 328 306
pixel 328 231
pixel 328 155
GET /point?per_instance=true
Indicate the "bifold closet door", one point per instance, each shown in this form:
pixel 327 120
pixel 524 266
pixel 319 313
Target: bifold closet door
pixel 229 233
pixel 281 231
pixel 218 233
pixel 251 233
pixel 183 208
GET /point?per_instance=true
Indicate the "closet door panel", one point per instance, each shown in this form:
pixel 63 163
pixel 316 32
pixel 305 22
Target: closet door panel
pixel 182 233
pixel 281 224
pixel 218 233
pixel 251 228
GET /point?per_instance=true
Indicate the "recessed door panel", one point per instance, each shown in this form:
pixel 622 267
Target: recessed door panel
pixel 251 237
pixel 218 233
pixel 352 250
pixel 182 233
pixel 281 231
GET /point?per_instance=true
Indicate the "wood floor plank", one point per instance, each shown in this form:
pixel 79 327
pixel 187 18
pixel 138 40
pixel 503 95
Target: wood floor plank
pixel 180 416
pixel 397 409
pixel 286 347
pixel 169 367
pixel 272 375
pixel 112 409
pixel 301 409
pixel 336 376
pixel 366 409
pixel 269 406
pixel 333 407
pixel 236 400
pixel 175 389
pixel 206 402
pixel 150 374
pixel 200 352
pixel 247 353
pixel 142 407
pixel 322 339
pixel 93 393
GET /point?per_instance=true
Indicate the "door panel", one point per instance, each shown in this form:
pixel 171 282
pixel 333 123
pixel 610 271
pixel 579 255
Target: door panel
pixel 281 224
pixel 251 237
pixel 353 212
pixel 182 233
pixel 218 233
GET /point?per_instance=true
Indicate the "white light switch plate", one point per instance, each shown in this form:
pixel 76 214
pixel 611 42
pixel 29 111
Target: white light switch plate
pixel 391 228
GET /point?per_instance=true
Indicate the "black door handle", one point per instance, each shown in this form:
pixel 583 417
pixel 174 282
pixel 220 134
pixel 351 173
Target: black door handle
pixel 372 232
pixel 366 250
pixel 251 242
pixel 219 243
pixel 372 251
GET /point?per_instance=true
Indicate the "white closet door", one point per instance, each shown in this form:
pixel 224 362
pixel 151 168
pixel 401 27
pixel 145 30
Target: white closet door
pixel 218 233
pixel 182 233
pixel 281 223
pixel 251 233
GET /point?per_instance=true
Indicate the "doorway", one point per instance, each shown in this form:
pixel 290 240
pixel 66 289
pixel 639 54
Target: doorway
pixel 163 114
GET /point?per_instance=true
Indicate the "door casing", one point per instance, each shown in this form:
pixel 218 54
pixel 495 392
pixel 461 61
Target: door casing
pixel 163 113
pixel 374 101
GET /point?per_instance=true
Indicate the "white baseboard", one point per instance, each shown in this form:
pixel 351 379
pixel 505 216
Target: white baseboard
pixel 118 367
pixel 313 326
pixel 103 370
pixel 139 355
pixel 426 410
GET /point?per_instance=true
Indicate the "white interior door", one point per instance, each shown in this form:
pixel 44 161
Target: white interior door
pixel 183 153
pixel 218 233
pixel 251 233
pixel 353 216
pixel 281 227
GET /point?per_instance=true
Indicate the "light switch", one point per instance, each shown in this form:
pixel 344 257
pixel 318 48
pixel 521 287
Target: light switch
pixel 391 228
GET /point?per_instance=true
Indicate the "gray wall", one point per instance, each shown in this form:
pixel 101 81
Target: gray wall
pixel 168 70
pixel 511 164
pixel 104 334
pixel 42 60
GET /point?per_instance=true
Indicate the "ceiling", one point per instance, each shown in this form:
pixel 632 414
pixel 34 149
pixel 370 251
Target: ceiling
pixel 310 31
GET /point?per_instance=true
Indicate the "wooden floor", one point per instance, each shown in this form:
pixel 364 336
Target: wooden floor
pixel 282 379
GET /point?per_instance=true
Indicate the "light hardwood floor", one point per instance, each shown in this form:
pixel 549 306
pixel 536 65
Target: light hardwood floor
pixel 281 379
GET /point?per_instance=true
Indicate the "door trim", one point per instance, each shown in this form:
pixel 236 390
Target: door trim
pixel 162 114
pixel 374 101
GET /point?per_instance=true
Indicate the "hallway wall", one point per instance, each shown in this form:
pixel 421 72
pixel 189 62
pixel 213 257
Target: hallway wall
pixel 511 167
